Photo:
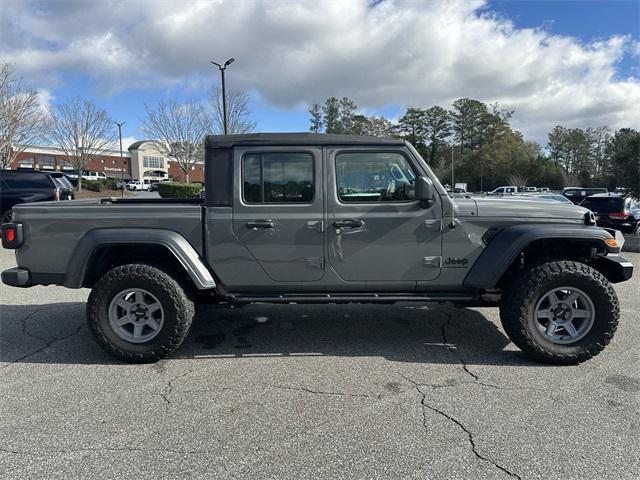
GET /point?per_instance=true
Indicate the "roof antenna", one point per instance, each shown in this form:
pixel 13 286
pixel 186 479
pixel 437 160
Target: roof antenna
pixel 454 222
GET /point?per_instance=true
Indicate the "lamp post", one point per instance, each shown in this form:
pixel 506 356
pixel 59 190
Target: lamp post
pixel 222 68
pixel 120 124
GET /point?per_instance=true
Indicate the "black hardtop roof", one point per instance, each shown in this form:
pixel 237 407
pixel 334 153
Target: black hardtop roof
pixel 606 195
pixel 304 138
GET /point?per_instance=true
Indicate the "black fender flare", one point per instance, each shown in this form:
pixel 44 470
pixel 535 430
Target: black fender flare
pixel 506 245
pixel 179 246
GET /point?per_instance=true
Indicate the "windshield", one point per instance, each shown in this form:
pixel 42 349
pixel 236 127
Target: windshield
pixel 63 181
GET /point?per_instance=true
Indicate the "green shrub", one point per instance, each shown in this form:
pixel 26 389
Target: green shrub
pixel 178 190
pixel 93 185
pixel 111 183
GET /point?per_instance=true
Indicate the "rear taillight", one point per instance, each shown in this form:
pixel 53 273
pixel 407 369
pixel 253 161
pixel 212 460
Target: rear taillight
pixel 12 235
pixel 619 215
pixel 56 194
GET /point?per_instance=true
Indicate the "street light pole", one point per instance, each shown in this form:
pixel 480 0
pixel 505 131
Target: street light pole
pixel 222 68
pixel 120 124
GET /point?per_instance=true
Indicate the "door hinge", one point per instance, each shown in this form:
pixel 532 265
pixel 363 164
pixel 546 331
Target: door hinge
pixel 433 224
pixel 317 225
pixel 434 262
pixel 315 262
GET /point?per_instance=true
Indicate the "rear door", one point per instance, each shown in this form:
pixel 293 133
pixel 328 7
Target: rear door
pixel 376 230
pixel 278 210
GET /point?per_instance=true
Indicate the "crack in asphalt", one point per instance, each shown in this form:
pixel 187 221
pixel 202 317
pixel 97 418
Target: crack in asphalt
pixel 48 342
pixel 170 386
pixel 472 442
pixel 321 392
pixel 454 350
pixel 463 363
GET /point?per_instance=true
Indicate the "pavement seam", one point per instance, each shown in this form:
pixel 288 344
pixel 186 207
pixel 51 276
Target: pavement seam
pixel 102 449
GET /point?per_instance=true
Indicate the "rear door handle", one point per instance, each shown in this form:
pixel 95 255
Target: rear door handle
pixel 349 223
pixel 261 224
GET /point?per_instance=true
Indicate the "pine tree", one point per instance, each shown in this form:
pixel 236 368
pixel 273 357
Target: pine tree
pixel 317 121
pixel 331 112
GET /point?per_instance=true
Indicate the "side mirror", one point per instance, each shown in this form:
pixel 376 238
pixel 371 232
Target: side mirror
pixel 424 190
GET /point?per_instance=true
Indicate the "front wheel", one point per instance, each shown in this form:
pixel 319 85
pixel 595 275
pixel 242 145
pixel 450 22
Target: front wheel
pixel 560 312
pixel 139 313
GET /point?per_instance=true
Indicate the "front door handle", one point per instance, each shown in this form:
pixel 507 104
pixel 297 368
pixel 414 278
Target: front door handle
pixel 349 223
pixel 261 224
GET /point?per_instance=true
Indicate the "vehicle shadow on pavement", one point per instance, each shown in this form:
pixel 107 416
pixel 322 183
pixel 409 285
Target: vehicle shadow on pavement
pixel 57 333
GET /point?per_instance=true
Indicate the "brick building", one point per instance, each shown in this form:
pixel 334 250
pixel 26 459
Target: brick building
pixel 140 162
pixel 147 163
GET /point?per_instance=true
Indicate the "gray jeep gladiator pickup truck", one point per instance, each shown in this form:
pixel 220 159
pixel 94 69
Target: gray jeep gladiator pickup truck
pixel 295 218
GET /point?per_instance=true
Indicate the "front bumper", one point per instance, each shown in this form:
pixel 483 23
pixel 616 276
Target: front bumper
pixel 17 277
pixel 615 267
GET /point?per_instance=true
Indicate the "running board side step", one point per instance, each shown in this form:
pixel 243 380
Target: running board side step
pixel 355 298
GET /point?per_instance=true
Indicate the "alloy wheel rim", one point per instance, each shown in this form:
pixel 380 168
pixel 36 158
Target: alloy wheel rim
pixel 564 315
pixel 136 315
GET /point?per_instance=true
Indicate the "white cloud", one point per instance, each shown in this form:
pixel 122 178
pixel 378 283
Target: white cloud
pixel 293 54
pixel 45 99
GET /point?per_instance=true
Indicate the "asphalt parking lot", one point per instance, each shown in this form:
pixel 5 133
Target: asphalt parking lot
pixel 397 391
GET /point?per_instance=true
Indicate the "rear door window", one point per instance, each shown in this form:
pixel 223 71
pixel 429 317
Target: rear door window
pixel 285 177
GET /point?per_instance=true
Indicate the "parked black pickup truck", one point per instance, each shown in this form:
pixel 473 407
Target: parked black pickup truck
pixel 295 218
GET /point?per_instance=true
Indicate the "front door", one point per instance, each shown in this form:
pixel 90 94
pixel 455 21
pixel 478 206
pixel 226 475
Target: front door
pixel 278 214
pixel 376 230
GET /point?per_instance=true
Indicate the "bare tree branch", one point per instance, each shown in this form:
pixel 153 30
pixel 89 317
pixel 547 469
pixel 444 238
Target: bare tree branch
pixel 178 131
pixel 82 131
pixel 238 112
pixel 22 118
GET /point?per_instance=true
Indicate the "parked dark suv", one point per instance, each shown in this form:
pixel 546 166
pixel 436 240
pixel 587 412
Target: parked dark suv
pixel 615 211
pixel 25 187
pixel 578 194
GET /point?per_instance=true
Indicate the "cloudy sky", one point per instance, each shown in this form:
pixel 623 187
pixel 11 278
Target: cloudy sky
pixel 575 63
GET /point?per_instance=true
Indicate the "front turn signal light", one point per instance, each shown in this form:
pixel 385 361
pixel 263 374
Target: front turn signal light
pixel 611 242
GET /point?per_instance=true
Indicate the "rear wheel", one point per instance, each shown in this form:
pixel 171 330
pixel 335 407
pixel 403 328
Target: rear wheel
pixel 139 313
pixel 560 312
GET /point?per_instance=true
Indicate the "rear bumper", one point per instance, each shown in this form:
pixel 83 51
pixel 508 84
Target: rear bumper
pixel 622 226
pixel 615 267
pixel 23 278
pixel 17 277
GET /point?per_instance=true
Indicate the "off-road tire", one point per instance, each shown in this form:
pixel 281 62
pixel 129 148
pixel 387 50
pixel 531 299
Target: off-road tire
pixel 521 296
pixel 176 302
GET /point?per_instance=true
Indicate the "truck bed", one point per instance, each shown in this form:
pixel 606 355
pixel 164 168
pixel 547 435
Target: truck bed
pixel 58 226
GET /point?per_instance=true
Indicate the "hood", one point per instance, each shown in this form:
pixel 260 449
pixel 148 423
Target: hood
pixel 528 208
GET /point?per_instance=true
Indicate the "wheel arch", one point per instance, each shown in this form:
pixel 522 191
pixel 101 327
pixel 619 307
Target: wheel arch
pixel 511 247
pixel 100 249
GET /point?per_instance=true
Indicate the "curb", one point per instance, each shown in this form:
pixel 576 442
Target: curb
pixel 631 243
